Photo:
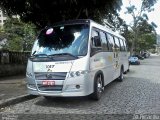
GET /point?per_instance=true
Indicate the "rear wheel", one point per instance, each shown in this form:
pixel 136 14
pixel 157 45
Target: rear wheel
pixel 125 72
pixel 98 88
pixel 128 67
pixel 121 77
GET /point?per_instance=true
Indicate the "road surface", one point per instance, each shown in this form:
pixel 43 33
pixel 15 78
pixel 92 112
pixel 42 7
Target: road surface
pixel 137 97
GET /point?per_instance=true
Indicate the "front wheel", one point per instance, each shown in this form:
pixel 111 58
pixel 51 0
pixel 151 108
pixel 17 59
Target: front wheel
pixel 98 88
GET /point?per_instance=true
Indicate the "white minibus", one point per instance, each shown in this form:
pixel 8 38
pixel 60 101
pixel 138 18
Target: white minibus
pixel 76 58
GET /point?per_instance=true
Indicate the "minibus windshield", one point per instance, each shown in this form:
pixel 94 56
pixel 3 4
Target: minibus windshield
pixel 62 40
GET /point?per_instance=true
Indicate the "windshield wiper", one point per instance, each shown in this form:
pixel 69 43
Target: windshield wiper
pixel 33 53
pixel 39 55
pixel 64 54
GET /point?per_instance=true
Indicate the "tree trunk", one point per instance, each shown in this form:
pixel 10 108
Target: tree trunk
pixel 132 50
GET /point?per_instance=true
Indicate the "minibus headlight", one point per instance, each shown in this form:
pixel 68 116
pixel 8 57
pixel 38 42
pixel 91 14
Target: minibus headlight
pixel 77 73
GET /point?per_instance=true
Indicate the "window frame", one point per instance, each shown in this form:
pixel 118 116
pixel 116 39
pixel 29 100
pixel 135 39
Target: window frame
pixel 122 48
pixel 105 49
pixel 116 40
pixel 125 45
pixel 111 48
pixel 95 49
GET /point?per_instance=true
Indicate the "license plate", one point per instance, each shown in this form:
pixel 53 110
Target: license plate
pixel 48 82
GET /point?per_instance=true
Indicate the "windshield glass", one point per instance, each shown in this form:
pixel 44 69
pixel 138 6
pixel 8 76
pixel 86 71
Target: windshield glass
pixel 72 39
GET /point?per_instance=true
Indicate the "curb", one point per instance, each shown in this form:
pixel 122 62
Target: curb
pixel 15 100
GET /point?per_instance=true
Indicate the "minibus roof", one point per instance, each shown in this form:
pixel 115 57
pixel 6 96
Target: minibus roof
pixel 76 21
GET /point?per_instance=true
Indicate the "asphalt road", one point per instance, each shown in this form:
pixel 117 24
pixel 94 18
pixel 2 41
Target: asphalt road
pixel 137 97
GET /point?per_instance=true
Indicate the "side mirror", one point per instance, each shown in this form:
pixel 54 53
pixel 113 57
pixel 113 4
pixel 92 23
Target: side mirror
pixel 96 42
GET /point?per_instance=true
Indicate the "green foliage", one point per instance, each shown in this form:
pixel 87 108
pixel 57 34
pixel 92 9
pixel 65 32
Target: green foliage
pixel 144 28
pixel 146 37
pixel 42 12
pixel 146 42
pixel 130 9
pixel 140 34
pixel 20 36
pixel 128 34
pixel 2 35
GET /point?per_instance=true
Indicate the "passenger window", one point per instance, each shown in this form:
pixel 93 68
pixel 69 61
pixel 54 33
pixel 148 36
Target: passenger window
pixel 110 41
pixel 122 48
pixel 125 47
pixel 117 45
pixel 104 41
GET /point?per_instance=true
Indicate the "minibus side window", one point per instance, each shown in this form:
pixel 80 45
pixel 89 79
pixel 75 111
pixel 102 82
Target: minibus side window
pixel 104 41
pixel 121 45
pixel 111 42
pixel 117 45
pixel 125 47
pixel 96 44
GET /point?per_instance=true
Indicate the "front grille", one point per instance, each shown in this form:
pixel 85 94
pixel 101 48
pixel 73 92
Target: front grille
pixel 50 88
pixel 50 76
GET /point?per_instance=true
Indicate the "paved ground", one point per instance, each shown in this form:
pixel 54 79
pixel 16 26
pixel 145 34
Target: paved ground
pixel 12 87
pixel 138 94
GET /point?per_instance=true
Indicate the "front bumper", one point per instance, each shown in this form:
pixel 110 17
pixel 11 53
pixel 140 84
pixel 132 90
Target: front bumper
pixel 57 94
pixel 78 86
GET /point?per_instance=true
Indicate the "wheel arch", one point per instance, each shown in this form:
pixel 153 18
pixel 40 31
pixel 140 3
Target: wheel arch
pixel 100 72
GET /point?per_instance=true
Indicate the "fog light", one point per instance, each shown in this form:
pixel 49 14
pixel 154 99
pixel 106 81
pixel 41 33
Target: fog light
pixel 78 86
pixel 73 88
pixel 32 86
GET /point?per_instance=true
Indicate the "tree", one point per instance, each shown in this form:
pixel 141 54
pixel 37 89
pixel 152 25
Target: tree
pixel 20 36
pixel 2 35
pixel 43 12
pixel 115 22
pixel 139 16
pixel 147 36
pixel 146 42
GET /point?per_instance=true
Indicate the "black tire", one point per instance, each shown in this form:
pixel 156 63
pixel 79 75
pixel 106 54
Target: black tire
pixel 121 77
pixel 98 88
pixel 128 69
pixel 125 72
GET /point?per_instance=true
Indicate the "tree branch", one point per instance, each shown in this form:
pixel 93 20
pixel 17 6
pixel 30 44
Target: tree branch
pixel 79 13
